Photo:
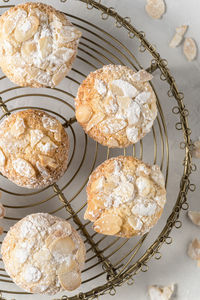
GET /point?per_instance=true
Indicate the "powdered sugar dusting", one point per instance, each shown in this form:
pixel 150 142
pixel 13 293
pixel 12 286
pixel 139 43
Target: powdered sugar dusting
pixel 100 86
pixel 32 274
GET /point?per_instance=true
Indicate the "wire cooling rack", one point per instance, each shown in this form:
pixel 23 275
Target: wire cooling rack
pixel 111 261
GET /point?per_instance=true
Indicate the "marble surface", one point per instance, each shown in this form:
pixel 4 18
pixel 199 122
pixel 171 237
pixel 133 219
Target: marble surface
pixel 175 266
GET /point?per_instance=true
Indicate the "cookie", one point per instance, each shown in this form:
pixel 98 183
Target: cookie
pixel 33 149
pixel 116 106
pixel 126 197
pixel 43 254
pixel 37 45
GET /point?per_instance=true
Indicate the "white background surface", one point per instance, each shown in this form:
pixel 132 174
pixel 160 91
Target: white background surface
pixel 175 266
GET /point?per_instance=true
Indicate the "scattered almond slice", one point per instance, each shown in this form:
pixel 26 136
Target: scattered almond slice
pixel 2 211
pixel 47 161
pixel 55 235
pixel 61 73
pixel 18 128
pixel 112 142
pixel 26 28
pixel 108 224
pixel 97 118
pixel 178 37
pixel 121 87
pixel 190 49
pixel 196 150
pixel 2 158
pixel 142 76
pixel 161 292
pixel 62 246
pixel 123 102
pixel 84 113
pixel 80 256
pixel 194 249
pixel 181 30
pixel 35 136
pixel 45 46
pixel 69 280
pixel 135 222
pixel 194 217
pixel 155 8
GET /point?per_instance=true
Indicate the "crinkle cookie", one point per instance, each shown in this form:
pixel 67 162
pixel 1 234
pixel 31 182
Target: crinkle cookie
pixel 33 149
pixel 37 45
pixel 43 254
pixel 126 197
pixel 116 106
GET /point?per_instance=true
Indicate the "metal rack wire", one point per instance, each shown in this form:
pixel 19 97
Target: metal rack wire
pixel 98 47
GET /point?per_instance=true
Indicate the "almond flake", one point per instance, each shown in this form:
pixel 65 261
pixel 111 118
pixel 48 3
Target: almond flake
pixel 69 280
pixel 194 249
pixel 47 161
pixel 18 128
pixel 97 118
pixel 124 102
pixel 35 136
pixel 190 49
pixel 161 292
pixel 194 217
pixel 62 247
pixel 142 76
pixel 178 37
pixel 108 224
pixel 135 222
pixel 144 186
pixel 132 134
pixel 23 168
pixel 84 113
pixel 155 8
pixel 181 30
pixel 69 34
pixel 121 87
pixel 26 28
pixel 46 146
pixel 61 73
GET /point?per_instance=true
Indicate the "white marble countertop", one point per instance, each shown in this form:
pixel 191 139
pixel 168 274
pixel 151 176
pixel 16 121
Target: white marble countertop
pixel 175 266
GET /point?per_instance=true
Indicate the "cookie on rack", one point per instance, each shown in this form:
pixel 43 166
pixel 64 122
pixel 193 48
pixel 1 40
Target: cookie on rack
pixel 43 254
pixel 37 45
pixel 116 106
pixel 126 197
pixel 33 148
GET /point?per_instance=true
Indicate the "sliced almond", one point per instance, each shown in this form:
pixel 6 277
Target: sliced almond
pixel 155 8
pixel 80 255
pixel 45 46
pixel 98 184
pixel 61 73
pixel 18 128
pixel 47 161
pixel 194 217
pixel 69 34
pixel 132 134
pixel 112 142
pixel 2 158
pixel 2 211
pixel 178 37
pixel 23 168
pixel 28 48
pixel 176 40
pixel 69 280
pixel 53 236
pixel 124 102
pixel 142 76
pixel 46 146
pixel 135 222
pixel 26 28
pixel 35 136
pixel 11 22
pixel 101 87
pixel 194 249
pixel 161 292
pixel 83 113
pixel 190 49
pixel 121 87
pixel 62 246
pixel 112 125
pixel 196 149
pixel 108 224
pixel 143 185
pixel 97 118
pixel 110 105
pixel 109 186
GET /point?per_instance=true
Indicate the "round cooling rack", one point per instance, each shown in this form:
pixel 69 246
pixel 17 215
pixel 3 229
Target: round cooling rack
pixel 110 261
